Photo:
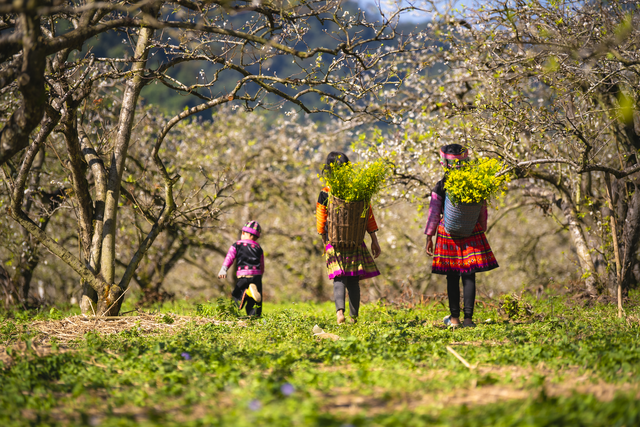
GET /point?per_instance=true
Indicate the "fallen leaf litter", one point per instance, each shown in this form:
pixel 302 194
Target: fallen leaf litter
pixel 75 327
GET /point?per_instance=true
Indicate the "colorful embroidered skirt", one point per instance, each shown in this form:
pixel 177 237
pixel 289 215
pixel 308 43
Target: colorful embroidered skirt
pixel 350 262
pixel 462 255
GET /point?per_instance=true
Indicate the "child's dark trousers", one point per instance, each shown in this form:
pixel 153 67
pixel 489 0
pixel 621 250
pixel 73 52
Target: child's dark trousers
pixel 253 308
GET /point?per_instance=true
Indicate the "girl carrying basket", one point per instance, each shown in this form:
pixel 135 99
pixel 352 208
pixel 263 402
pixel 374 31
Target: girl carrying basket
pixel 454 256
pixel 346 266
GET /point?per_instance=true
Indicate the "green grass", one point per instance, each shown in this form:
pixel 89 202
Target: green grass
pixel 569 366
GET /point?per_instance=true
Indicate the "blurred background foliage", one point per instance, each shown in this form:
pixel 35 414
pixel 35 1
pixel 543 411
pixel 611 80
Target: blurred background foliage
pixel 267 171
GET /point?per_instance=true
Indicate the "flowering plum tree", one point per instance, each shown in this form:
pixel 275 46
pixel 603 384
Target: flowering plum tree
pixel 49 82
pixel 551 88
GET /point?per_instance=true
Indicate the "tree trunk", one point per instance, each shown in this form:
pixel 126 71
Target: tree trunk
pixel 630 239
pixel 10 292
pixel 24 272
pixel 110 301
pixel 14 136
pixel 582 248
pixel 125 125
pixel 575 229
pixel 30 258
pixel 78 168
pixel 88 300
pixel 127 115
pixel 100 185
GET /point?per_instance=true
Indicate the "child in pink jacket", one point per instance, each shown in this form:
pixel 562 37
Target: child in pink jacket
pixel 248 253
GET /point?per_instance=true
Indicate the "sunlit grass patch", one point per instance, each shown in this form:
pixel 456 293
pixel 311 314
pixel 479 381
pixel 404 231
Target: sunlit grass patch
pixel 391 368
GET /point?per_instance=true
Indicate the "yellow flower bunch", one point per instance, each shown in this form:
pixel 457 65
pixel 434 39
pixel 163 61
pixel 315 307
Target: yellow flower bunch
pixel 475 181
pixel 354 182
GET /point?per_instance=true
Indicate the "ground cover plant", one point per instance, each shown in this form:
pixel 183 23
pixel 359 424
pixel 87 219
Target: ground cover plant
pixel 557 362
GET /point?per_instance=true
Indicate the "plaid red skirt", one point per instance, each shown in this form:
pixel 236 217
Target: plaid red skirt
pixel 462 255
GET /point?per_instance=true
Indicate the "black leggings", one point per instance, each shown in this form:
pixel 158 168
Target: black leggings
pixel 352 284
pixel 469 294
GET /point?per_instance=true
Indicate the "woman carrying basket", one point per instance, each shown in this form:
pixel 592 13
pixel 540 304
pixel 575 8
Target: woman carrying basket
pixel 456 256
pixel 346 266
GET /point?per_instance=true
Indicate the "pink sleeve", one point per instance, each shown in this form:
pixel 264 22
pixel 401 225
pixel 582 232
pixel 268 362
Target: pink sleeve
pixel 435 210
pixel 484 215
pixel 231 256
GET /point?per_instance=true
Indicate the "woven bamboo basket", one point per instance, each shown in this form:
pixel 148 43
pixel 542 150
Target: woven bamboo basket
pixel 460 219
pixel 346 222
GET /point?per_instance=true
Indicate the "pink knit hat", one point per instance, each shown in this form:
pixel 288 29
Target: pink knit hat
pixel 252 227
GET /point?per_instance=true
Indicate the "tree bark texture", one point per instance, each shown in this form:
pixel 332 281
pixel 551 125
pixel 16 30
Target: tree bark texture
pixel 78 169
pixel 14 136
pixel 96 165
pixel 125 125
pixel 630 239
pixel 582 248
pixel 11 294
pixel 30 257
